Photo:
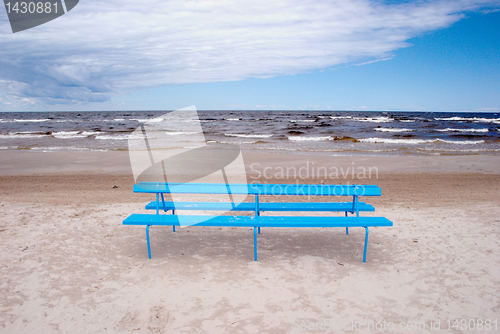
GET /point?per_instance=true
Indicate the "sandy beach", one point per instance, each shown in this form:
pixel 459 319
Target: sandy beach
pixel 68 265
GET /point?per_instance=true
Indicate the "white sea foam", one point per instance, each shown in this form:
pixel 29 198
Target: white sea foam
pixel 148 120
pixel 407 120
pixel 74 134
pixel 340 117
pixel 453 119
pixel 414 141
pixel 90 133
pixel 392 130
pixel 302 120
pixel 232 119
pixel 297 138
pixel 247 136
pixel 68 134
pixel 395 141
pixel 31 120
pixel 462 130
pixel 119 119
pixel 179 133
pixel 241 142
pixel 470 119
pixel 119 137
pixel 381 119
pixel 462 142
pixel 106 137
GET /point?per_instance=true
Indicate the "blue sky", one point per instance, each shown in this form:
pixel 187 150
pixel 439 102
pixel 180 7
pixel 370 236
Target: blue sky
pixel 342 55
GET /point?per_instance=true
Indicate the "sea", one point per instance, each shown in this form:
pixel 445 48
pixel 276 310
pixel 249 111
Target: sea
pixel 327 132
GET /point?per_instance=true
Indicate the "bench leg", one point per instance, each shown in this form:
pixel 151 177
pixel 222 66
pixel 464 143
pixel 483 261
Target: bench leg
pixel 347 228
pixel 147 238
pixel 255 243
pixel 366 244
pixel 259 229
pixel 173 226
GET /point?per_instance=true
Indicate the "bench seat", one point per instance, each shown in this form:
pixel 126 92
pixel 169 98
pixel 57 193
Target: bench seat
pixel 263 206
pixel 255 222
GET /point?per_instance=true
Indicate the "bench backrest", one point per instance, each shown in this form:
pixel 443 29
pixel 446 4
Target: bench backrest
pixel 258 189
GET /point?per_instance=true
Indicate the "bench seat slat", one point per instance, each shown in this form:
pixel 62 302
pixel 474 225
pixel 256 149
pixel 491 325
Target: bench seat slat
pixel 263 206
pixel 252 221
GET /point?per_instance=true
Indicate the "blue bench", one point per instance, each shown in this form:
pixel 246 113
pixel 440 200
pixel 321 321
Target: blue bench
pixel 257 221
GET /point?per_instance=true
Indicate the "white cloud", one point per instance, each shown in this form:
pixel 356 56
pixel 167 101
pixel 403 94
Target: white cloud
pixel 104 47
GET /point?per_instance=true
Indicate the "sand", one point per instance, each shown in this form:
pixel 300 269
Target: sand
pixel 68 265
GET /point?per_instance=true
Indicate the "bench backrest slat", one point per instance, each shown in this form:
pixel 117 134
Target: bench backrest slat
pixel 258 189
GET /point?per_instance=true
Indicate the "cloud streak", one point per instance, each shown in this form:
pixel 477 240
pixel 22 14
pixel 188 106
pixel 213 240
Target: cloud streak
pixel 103 48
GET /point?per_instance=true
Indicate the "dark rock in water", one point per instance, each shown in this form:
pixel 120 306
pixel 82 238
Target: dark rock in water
pixel 295 132
pixel 467 136
pixel 346 138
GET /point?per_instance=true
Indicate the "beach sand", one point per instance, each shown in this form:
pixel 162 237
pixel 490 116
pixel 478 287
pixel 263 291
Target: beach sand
pixel 69 265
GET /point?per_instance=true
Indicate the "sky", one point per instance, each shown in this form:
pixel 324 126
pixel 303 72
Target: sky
pixel 262 54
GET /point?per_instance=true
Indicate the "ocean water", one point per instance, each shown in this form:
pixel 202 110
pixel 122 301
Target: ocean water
pixel 329 132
